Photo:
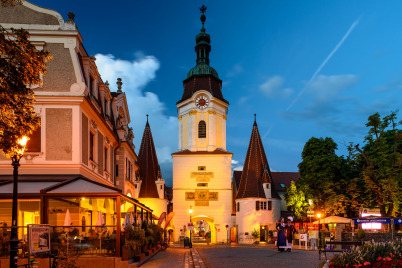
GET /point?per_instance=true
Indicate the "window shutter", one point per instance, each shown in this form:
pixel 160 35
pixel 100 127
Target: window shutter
pixel 269 205
pixel 257 205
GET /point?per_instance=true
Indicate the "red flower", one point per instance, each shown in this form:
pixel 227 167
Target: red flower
pixel 379 259
pixel 367 263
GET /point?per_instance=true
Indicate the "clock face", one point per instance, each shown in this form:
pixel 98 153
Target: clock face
pixel 202 102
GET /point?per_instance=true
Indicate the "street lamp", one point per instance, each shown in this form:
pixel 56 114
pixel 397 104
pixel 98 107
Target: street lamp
pixel 310 202
pixel 191 212
pixel 18 152
pixel 227 233
pixel 319 228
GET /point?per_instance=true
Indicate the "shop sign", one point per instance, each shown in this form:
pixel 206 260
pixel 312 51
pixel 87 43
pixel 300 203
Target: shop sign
pixel 398 221
pixel 38 238
pixel 379 220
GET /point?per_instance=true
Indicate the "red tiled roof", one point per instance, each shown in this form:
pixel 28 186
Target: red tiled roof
pixel 284 178
pixel 202 82
pixel 186 152
pixel 148 165
pixel 255 166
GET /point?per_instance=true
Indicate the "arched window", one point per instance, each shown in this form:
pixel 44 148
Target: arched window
pixel 83 223
pixel 202 129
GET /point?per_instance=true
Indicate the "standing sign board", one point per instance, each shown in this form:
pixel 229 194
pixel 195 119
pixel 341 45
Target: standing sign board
pixel 310 213
pixel 190 226
pixel 38 238
pixel 303 238
pixel 376 220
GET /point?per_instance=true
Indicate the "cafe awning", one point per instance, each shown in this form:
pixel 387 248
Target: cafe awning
pixel 333 219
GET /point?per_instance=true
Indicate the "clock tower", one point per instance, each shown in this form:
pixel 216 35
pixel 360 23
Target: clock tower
pixel 202 166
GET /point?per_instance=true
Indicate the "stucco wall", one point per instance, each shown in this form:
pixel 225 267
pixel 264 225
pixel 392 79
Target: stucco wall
pixel 23 15
pixel 157 205
pixel 184 180
pixel 248 218
pixel 85 134
pixel 60 71
pixel 59 134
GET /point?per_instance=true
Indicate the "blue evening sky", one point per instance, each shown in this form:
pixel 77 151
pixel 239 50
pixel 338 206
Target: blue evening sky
pixel 306 68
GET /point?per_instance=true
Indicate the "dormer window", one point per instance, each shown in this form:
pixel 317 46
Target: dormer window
pixel 202 129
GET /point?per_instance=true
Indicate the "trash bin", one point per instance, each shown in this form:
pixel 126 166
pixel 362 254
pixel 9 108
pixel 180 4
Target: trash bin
pixel 187 242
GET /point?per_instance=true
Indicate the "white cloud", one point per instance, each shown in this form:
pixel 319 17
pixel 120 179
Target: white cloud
pixel 136 75
pixel 234 162
pixel 236 69
pixel 272 87
pixel 239 168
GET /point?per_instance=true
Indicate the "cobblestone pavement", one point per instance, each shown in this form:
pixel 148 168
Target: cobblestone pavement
pixel 219 256
pixel 171 258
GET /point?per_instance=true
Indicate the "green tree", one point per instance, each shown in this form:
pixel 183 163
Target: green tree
pixel 21 66
pixel 296 200
pixel 328 179
pixel 380 161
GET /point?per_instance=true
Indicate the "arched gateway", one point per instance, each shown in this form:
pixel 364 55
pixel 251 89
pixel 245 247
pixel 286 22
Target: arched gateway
pixel 202 166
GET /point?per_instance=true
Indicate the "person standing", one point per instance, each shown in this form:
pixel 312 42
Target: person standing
pixel 290 231
pixel 281 242
pixel 208 237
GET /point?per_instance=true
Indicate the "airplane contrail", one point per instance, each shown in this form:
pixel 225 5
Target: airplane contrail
pixel 354 24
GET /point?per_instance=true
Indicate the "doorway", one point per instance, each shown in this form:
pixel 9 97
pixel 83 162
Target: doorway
pixel 263 233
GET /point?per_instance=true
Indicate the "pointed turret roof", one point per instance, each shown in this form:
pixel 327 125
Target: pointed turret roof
pixel 255 170
pixel 147 161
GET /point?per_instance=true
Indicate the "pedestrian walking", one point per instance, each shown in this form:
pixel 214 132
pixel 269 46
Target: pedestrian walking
pixel 290 231
pixel 208 237
pixel 281 242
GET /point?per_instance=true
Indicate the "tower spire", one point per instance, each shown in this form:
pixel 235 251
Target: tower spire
pixel 255 119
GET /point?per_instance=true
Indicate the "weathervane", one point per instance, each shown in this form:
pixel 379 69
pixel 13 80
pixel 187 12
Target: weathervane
pixel 203 9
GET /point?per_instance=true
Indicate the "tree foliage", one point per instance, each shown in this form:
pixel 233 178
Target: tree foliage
pixel 380 161
pixel 21 66
pixel 327 179
pixel 296 200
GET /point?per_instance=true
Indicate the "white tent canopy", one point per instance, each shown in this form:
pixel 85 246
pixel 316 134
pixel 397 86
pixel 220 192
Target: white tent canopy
pixel 333 219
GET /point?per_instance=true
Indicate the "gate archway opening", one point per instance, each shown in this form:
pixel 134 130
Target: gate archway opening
pixel 208 222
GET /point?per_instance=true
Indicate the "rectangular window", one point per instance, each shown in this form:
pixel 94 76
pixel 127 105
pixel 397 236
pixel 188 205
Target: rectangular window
pixel 238 206
pixel 269 205
pixel 202 168
pixel 34 143
pixel 91 84
pixel 117 170
pixel 267 186
pixel 91 146
pixel 161 187
pixel 202 184
pixel 257 205
pixel 263 205
pixel 106 159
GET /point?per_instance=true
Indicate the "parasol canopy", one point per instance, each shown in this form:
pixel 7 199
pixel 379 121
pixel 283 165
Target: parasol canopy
pixel 161 218
pixel 67 221
pixel 333 219
pixel 131 218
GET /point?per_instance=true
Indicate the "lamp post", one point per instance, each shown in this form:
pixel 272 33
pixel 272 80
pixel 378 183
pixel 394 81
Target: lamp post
pixel 310 202
pixel 190 211
pixel 14 220
pixel 319 228
pixel 227 233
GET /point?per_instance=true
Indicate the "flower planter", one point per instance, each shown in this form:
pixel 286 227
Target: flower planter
pixel 139 257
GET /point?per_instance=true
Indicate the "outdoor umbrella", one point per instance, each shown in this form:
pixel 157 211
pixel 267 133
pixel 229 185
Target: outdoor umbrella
pixel 67 224
pixel 127 221
pixel 333 219
pixel 100 223
pixel 131 219
pixel 161 218
pixel 139 221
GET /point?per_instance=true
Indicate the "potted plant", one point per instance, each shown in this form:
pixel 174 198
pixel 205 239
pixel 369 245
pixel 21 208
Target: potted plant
pixel 256 234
